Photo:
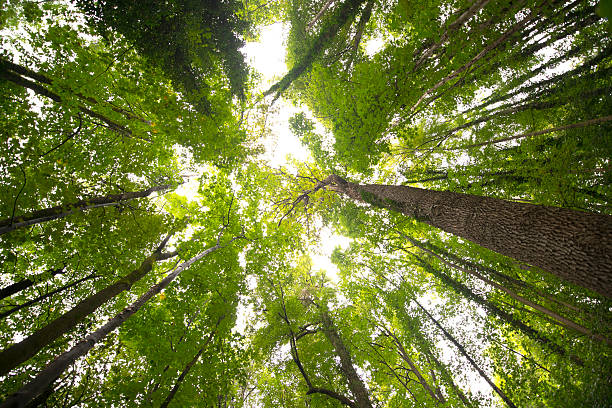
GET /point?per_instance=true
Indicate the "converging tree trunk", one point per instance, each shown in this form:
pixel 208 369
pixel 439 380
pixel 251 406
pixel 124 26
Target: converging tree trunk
pixel 356 385
pixel 23 284
pixel 61 211
pixel 188 367
pixel 28 347
pixel 574 245
pixel 473 363
pixel 45 296
pixel 49 374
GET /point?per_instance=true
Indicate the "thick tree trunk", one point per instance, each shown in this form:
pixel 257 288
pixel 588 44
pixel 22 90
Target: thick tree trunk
pixel 16 287
pixel 50 373
pixel 28 347
pixel 462 350
pixel 356 386
pixel 574 245
pixel 61 211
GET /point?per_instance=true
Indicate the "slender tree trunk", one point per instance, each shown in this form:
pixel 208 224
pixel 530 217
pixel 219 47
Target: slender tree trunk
pixel 450 380
pixel 585 123
pixel 462 350
pixel 41 90
pixel 319 15
pixel 346 12
pixel 363 21
pixel 568 323
pixel 356 386
pixel 402 353
pixel 574 245
pixel 186 370
pixel 42 78
pixel 45 296
pixel 28 347
pixel 455 25
pixel 23 284
pixel 61 363
pixel 500 313
pixel 514 28
pixel 61 211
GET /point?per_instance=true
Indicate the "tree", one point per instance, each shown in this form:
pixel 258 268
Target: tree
pixel 190 41
pixel 576 244
pixel 473 141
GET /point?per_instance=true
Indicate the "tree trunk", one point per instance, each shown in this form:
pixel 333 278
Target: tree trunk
pixel 28 347
pixel 346 12
pixel 61 211
pixel 574 245
pixel 404 355
pixel 356 386
pixel 61 363
pixel 16 287
pixel 467 356
pixel 45 296
pixel 42 78
pixel 319 15
pixel 41 90
pixel 500 313
pixel 455 25
pixel 186 370
pixel 565 322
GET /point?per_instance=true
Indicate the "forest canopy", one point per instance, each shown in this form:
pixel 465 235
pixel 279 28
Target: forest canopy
pixel 447 242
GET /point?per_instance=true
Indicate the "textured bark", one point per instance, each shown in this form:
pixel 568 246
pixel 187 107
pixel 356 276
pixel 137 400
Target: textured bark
pixel 50 373
pixel 61 211
pixel 473 363
pixel 574 245
pixel 346 364
pixel 28 347
pixel 17 287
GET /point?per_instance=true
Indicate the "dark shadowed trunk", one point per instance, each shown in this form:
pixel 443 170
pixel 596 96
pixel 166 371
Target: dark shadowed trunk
pixel 46 295
pixel 345 13
pixel 356 385
pixel 187 368
pixel 60 211
pixel 17 287
pixel 28 347
pixel 564 321
pixel 574 245
pixel 493 309
pixel 467 356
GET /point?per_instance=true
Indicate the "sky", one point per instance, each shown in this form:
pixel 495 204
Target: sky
pixel 268 58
